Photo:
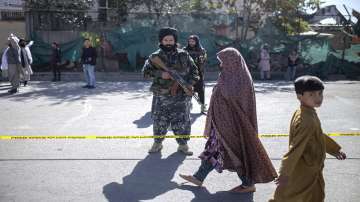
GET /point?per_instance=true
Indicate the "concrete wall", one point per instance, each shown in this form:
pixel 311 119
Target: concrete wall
pixel 7 27
pixel 58 36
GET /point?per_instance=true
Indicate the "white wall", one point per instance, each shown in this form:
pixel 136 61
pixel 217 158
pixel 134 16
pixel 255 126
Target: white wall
pixel 11 4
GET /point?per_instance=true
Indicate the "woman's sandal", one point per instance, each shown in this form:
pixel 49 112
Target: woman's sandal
pixel 243 189
pixel 191 179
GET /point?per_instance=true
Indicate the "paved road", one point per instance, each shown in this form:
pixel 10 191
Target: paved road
pixel 121 170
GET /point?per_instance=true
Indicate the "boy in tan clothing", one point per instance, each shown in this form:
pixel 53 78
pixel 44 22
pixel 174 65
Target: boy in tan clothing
pixel 300 176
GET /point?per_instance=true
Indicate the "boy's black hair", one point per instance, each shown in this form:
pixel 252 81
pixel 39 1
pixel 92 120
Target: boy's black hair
pixel 308 83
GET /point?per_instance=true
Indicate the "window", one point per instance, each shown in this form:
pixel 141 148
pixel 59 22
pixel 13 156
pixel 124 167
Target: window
pixel 112 3
pixel 102 3
pixel 12 15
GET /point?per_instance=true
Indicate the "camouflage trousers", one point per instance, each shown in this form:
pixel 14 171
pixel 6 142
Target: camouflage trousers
pixel 171 112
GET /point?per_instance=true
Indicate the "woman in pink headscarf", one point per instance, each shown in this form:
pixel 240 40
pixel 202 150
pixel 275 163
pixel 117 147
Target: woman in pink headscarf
pixel 231 128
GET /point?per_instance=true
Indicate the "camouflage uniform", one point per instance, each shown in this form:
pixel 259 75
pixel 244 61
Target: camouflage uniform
pixel 199 57
pixel 168 110
pixel 198 54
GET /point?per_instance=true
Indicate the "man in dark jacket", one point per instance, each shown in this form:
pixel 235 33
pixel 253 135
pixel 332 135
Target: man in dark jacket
pixel 55 61
pixel 88 60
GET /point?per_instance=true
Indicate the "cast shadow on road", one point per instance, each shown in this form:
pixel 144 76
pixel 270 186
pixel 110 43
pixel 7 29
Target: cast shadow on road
pixel 63 92
pixel 150 178
pixel 146 121
pixel 72 91
pixel 4 87
pixel 265 87
pixel 201 194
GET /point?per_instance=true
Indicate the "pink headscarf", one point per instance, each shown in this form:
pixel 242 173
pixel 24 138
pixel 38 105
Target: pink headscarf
pixel 234 74
pixel 235 82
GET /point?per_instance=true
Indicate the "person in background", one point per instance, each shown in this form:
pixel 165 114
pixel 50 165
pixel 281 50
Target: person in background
pixel 293 61
pixel 264 64
pixel 55 61
pixel 12 62
pixel 198 54
pixel 88 60
pixel 26 61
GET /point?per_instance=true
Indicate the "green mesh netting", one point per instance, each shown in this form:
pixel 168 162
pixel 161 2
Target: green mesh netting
pixel 144 40
pixel 41 51
pixel 138 36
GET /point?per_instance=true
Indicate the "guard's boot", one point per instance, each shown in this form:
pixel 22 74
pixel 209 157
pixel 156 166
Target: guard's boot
pixel 156 147
pixel 203 109
pixel 185 150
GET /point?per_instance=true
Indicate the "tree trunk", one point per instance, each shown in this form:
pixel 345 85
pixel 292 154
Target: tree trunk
pixel 246 17
pixel 237 26
pixel 247 25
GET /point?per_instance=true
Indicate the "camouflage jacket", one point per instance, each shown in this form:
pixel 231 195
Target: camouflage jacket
pixel 199 57
pixel 180 61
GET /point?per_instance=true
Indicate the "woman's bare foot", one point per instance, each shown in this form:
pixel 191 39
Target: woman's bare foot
pixel 243 189
pixel 191 179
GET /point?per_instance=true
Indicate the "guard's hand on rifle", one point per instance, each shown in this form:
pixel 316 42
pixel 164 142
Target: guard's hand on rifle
pixel 201 59
pixel 190 91
pixel 165 76
pixel 174 88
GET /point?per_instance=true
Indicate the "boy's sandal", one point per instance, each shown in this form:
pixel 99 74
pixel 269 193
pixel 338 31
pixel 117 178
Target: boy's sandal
pixel 243 189
pixel 191 179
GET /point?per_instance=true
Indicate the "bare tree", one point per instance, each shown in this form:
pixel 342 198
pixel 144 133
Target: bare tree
pixel 247 13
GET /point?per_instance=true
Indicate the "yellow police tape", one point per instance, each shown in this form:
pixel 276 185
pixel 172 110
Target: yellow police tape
pixel 21 137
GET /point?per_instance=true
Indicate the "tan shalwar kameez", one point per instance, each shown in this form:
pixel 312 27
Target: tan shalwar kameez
pixel 304 162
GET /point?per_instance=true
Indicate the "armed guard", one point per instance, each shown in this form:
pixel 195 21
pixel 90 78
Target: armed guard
pixel 198 54
pixel 171 105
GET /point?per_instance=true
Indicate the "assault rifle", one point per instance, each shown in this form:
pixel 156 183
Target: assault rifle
pixel 175 76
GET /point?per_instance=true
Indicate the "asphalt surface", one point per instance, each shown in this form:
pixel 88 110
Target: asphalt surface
pixel 121 169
